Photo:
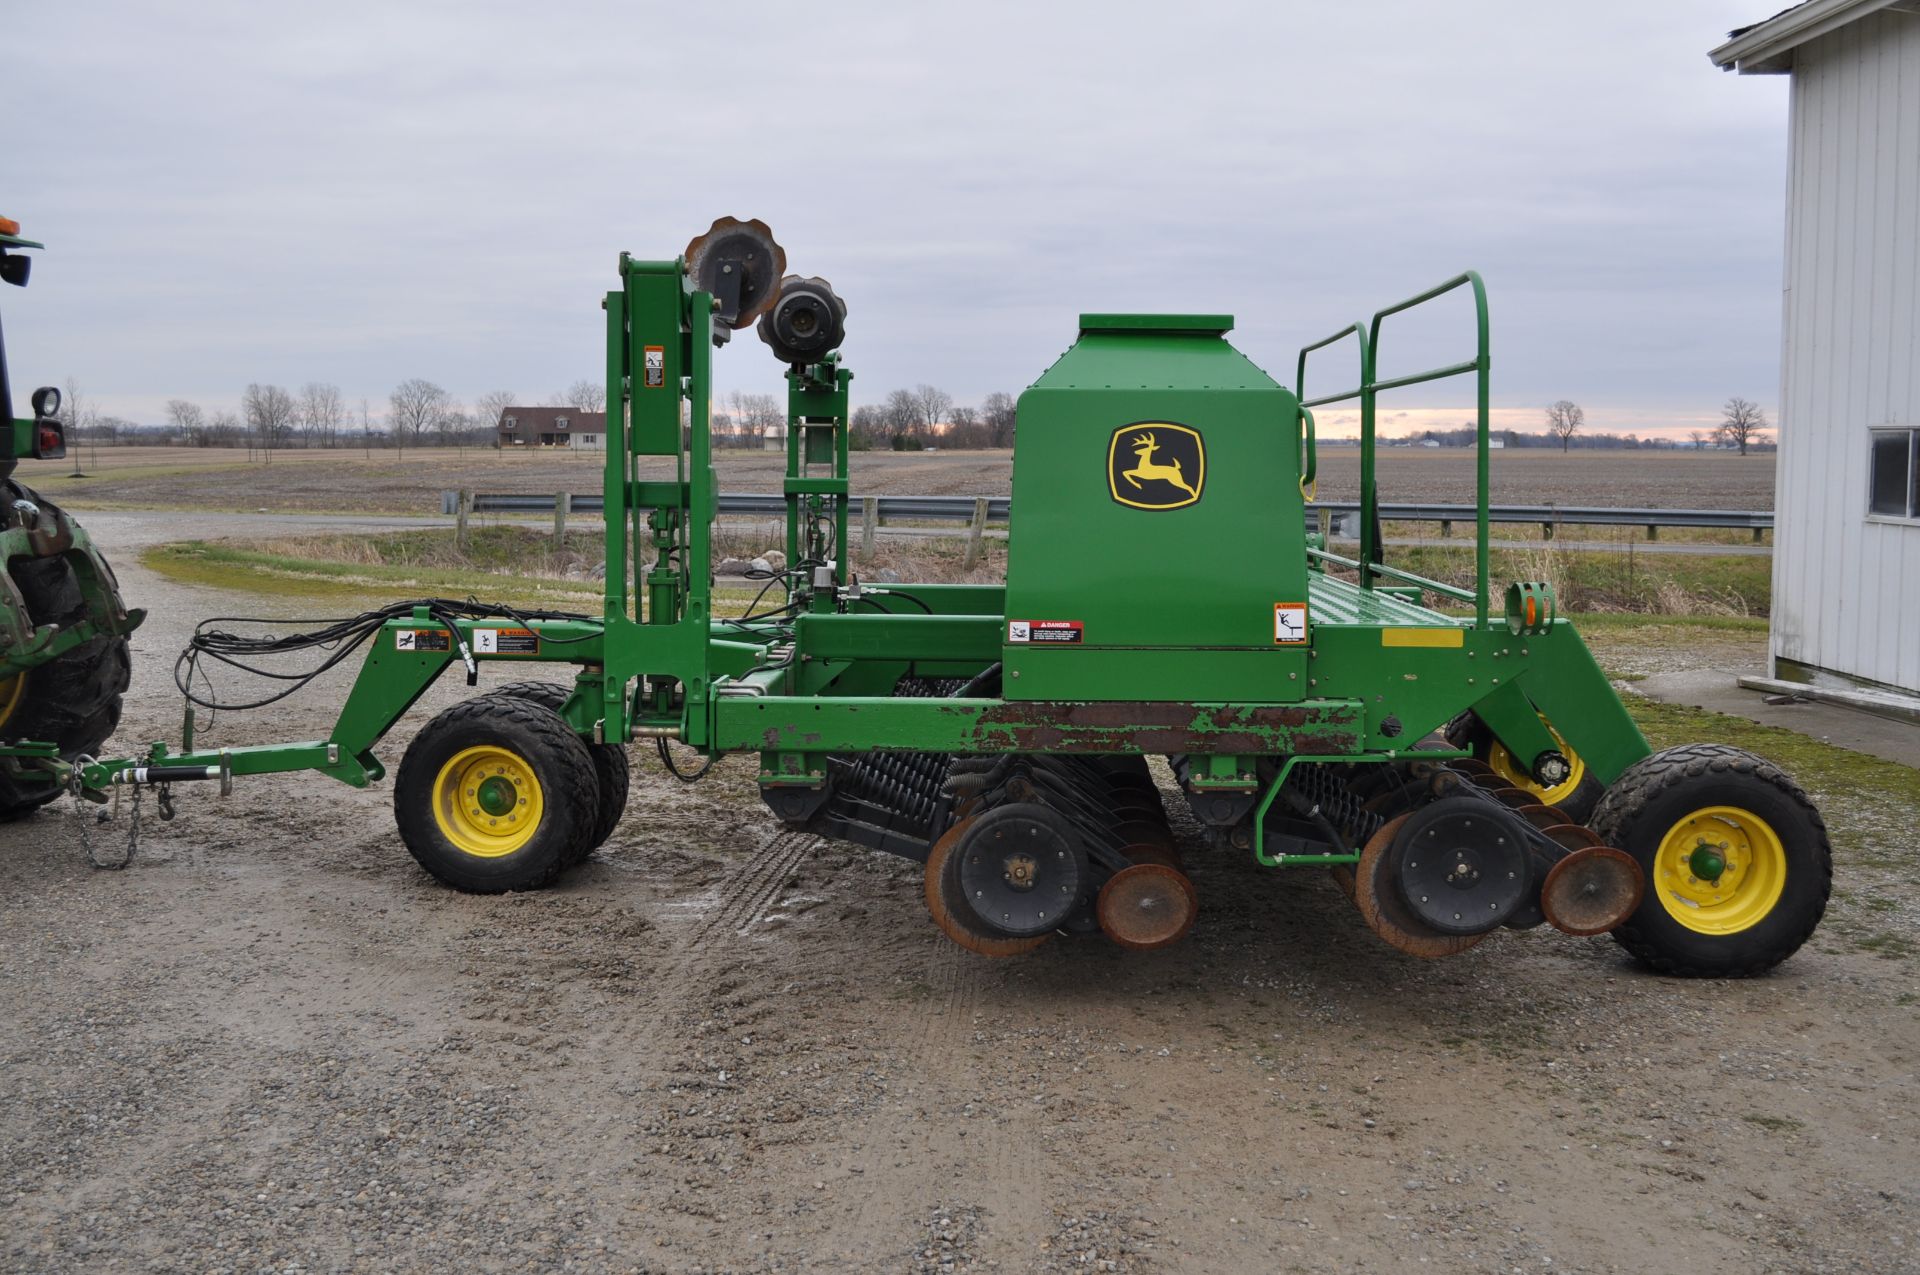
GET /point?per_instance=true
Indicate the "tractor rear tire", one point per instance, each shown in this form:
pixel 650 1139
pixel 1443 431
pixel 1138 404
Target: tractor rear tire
pixel 610 764
pixel 73 700
pixel 496 794
pixel 1737 861
pixel 1576 798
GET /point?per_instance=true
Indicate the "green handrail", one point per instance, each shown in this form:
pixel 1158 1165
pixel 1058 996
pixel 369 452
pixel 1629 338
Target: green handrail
pixel 1310 455
pixel 1369 389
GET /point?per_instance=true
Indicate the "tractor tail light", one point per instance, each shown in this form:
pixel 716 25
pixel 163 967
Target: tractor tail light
pixel 49 440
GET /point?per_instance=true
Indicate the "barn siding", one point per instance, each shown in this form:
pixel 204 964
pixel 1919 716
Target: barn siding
pixel 1846 591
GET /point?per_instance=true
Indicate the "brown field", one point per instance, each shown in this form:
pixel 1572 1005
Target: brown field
pixel 348 481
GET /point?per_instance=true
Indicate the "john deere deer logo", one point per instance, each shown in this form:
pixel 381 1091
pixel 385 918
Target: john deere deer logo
pixel 1156 465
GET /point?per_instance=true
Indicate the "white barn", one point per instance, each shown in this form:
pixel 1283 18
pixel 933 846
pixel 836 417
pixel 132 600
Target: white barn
pixel 1846 567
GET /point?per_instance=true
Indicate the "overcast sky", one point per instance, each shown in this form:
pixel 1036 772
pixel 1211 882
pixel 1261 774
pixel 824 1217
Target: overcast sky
pixel 362 194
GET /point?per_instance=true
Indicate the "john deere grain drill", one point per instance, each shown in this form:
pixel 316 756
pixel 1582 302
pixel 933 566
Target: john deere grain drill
pixel 1167 630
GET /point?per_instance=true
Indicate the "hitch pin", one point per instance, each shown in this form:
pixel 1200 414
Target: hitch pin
pixel 164 774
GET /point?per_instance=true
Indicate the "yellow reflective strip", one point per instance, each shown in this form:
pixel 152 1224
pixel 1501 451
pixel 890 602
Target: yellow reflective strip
pixel 1423 637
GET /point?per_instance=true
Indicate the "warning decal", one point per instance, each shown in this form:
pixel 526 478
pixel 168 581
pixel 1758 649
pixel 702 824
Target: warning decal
pixel 421 640
pixel 1045 632
pixel 506 642
pixel 1290 623
pixel 654 373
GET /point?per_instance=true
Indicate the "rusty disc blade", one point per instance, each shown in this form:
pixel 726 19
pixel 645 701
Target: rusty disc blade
pixel 1470 766
pixel 1542 817
pixel 744 246
pixel 1514 798
pixel 950 911
pixel 1572 835
pixel 1387 915
pixel 1592 891
pixel 1147 906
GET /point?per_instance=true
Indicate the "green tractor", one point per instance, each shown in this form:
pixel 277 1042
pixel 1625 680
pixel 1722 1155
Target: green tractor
pixel 63 629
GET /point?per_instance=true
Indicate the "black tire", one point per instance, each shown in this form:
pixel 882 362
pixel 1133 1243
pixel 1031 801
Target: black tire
pixel 1469 732
pixel 610 765
pixel 74 700
pixel 539 742
pixel 1651 799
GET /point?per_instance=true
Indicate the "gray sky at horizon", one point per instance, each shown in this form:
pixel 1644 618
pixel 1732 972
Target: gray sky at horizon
pixel 360 194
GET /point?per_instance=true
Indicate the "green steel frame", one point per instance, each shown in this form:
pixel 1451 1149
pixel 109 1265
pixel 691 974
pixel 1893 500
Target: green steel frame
pixel 815 676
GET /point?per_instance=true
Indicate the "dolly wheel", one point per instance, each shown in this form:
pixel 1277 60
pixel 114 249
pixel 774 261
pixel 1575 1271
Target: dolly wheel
pixel 496 794
pixel 1737 861
pixel 610 764
pixel 1577 794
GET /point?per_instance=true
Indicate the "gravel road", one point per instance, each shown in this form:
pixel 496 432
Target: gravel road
pixel 273 1044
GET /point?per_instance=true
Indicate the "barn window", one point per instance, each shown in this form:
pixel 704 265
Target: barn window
pixel 559 422
pixel 510 422
pixel 1893 490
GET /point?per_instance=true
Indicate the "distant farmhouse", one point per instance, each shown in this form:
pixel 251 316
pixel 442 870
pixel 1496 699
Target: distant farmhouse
pixel 551 427
pixel 1846 565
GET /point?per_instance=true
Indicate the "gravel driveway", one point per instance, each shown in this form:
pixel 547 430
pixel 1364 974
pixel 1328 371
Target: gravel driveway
pixel 273 1044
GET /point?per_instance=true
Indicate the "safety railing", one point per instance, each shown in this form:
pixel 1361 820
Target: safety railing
pixel 1367 334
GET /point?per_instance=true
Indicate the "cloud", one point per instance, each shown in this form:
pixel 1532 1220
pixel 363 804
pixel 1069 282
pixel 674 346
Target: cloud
pixel 364 193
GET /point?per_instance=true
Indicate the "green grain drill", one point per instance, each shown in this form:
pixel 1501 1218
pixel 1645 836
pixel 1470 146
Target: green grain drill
pixel 1453 755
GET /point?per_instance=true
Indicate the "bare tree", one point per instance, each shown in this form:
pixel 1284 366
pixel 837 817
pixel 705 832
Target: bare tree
pixel 77 418
pixel 1563 418
pixel 323 412
pixel 366 430
pixel 1742 423
pixel 1699 440
pixel 189 420
pixel 964 428
pixel 756 417
pixel 489 408
pixel 223 430
pixel 585 396
pixel 998 414
pixel 417 407
pixel 902 416
pixel 868 427
pixel 451 425
pixel 270 413
pixel 932 405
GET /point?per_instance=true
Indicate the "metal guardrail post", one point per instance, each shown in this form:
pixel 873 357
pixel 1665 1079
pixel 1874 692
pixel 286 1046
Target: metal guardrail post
pixel 976 533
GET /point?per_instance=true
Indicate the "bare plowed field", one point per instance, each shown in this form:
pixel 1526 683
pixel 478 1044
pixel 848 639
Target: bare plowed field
pixel 274 1044
pixel 348 482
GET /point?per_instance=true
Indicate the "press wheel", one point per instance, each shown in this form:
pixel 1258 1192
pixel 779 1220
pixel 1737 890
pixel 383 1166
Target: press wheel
pixel 1387 914
pixel 949 908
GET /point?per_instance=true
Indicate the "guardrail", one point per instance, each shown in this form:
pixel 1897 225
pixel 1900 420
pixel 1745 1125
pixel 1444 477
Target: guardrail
pixel 905 508
pixel 999 509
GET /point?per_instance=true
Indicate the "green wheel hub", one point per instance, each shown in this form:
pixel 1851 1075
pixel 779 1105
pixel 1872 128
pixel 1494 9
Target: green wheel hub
pixel 1706 862
pixel 496 795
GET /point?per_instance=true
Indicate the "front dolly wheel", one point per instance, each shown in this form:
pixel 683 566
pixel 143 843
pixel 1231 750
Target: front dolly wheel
pixel 610 765
pixel 1577 795
pixel 1737 861
pixel 496 794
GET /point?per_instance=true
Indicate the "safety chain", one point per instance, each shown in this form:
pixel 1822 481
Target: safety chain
pixel 101 816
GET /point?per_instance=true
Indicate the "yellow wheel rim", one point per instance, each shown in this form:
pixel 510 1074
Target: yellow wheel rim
pixel 1720 870
pixel 11 689
pixel 487 801
pixel 1509 769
